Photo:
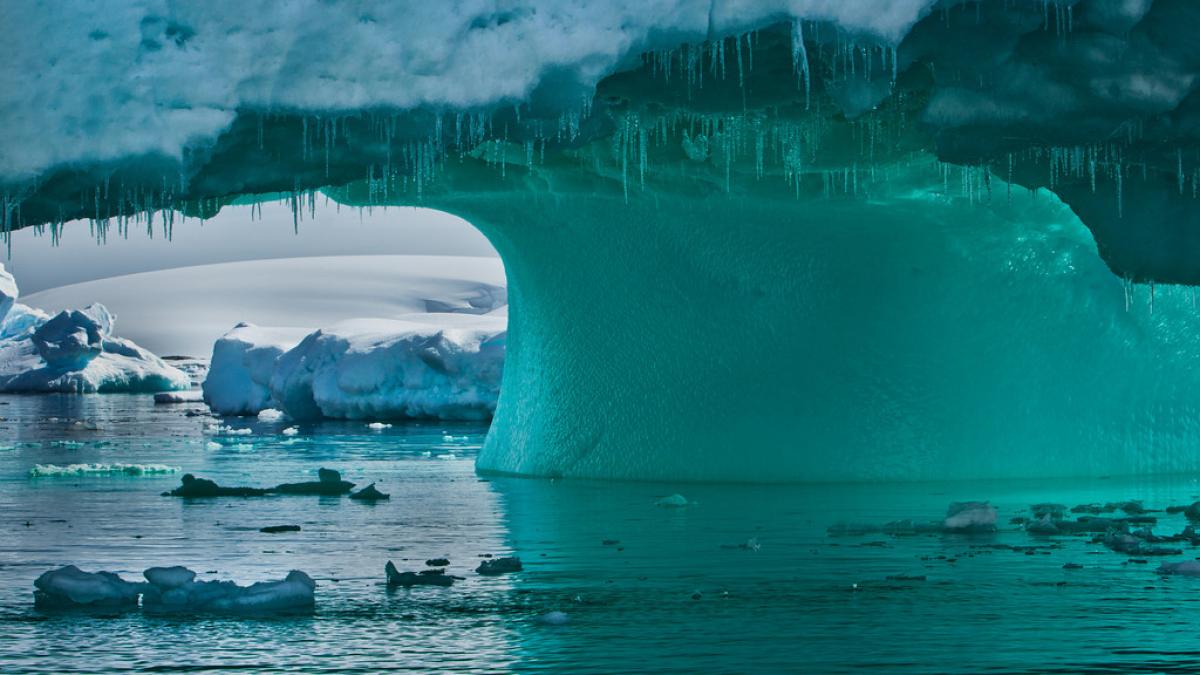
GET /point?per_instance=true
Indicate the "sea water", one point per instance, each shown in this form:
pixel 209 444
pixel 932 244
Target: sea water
pixel 744 578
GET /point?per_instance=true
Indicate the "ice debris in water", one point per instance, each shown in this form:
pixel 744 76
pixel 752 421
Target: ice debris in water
pixel 499 566
pixel 290 431
pixel 370 494
pixel 52 470
pixel 175 589
pixel 430 577
pixel 71 587
pixel 378 426
pixel 328 483
pixel 171 589
pixel 970 516
pixel 270 415
pixel 672 501
pixel 555 618
pixel 1187 568
pixel 190 396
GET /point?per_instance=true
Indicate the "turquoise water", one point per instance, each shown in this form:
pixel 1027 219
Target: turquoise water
pixel 677 593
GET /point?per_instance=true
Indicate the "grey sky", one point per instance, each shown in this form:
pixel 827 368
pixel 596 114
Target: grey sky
pixel 232 235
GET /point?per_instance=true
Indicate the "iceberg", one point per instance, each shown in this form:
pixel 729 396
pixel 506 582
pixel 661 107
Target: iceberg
pixel 429 366
pixel 243 360
pixel 74 351
pixel 778 240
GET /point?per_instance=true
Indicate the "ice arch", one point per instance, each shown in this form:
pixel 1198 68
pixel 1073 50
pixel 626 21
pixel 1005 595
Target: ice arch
pixel 776 246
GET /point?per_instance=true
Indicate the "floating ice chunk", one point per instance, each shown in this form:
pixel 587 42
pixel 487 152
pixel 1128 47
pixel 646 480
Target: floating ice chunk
pixel 213 446
pixel 672 501
pixel 53 470
pixel 1187 568
pixel 172 589
pixel 434 577
pixel 270 415
pixel 370 494
pixel 242 363
pixel 166 578
pixel 71 587
pixel 1043 525
pixel 378 426
pixel 554 618
pixel 329 483
pixel 499 566
pixel 290 431
pixel 970 516
pixel 190 396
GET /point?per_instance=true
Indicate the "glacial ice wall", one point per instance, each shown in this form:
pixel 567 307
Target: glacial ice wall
pixel 726 225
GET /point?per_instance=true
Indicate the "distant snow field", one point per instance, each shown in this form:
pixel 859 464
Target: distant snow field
pixel 185 310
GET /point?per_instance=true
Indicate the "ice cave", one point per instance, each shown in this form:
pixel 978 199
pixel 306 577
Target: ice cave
pixel 885 240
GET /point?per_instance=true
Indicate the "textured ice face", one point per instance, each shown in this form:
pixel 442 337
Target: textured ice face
pixel 131 77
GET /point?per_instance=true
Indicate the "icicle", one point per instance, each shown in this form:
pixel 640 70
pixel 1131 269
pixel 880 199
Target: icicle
pixel 800 59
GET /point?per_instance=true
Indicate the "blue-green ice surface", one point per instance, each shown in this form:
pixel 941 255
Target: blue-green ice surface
pixel 678 592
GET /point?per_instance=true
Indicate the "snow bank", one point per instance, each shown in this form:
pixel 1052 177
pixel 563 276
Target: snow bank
pixel 239 375
pixel 113 79
pixel 442 366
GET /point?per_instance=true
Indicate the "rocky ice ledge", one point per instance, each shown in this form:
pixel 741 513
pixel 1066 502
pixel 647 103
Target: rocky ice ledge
pixel 74 351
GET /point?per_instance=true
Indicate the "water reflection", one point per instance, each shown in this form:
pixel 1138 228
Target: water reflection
pixel 743 579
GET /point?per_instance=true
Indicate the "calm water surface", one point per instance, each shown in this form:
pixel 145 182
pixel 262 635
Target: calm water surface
pixel 678 593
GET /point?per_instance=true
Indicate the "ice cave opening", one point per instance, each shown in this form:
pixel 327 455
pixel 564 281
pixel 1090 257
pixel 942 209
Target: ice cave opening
pixel 743 242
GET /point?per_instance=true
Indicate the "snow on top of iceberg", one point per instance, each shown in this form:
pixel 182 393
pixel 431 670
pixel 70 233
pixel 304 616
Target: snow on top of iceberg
pixel 105 80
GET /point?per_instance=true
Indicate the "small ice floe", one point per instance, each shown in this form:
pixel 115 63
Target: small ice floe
pixel 554 618
pixel 329 483
pixel 378 426
pixel 270 415
pixel 1048 510
pixel 970 517
pixel 369 494
pixel 175 589
pixel 71 587
pixel 748 545
pixel 1043 525
pixel 674 501
pixel 433 577
pixel 230 431
pixel 213 445
pixel 499 566
pixel 189 396
pixel 290 431
pixel 1187 568
pixel 73 470
pixel 1132 544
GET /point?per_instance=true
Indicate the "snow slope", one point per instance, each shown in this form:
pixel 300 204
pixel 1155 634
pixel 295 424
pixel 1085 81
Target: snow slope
pixel 185 310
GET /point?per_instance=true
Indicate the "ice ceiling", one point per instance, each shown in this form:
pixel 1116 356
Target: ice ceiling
pixel 661 177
